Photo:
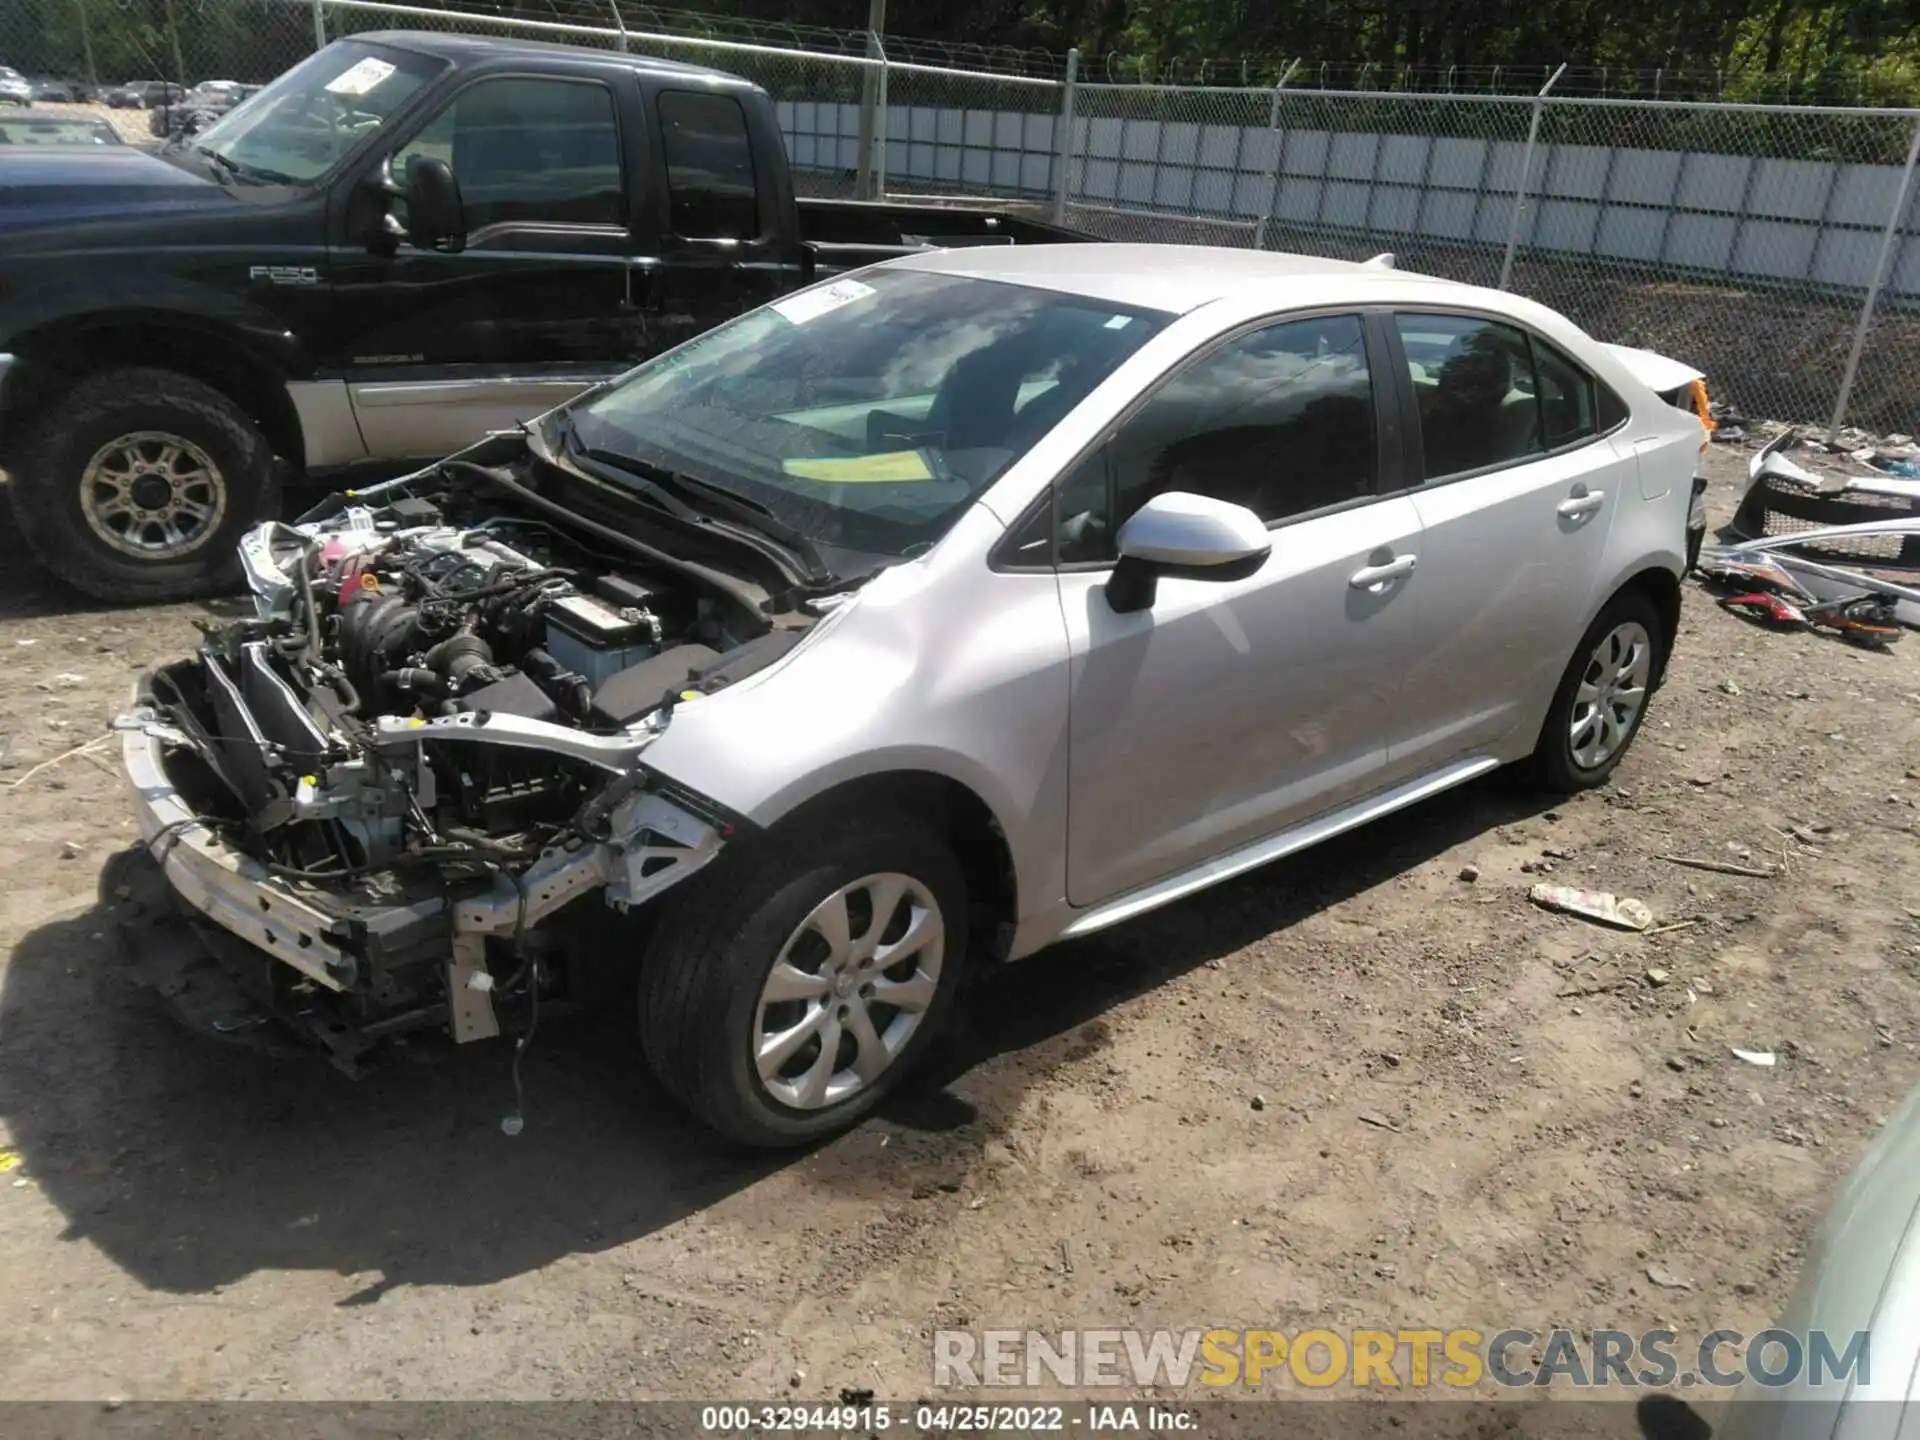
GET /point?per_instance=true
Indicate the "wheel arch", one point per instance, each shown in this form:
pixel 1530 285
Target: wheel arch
pixel 52 357
pixel 962 817
pixel 1662 588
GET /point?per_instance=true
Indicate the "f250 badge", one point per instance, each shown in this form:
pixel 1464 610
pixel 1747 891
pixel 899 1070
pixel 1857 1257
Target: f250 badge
pixel 284 274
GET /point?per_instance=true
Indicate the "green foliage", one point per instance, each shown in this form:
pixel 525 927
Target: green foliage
pixel 1843 52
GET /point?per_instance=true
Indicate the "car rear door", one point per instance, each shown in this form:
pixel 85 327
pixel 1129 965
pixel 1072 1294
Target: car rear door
pixel 1233 708
pixel 1522 471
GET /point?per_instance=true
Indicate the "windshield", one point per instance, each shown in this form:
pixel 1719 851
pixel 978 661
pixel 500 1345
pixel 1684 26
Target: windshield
pixel 303 124
pixel 31 129
pixel 868 412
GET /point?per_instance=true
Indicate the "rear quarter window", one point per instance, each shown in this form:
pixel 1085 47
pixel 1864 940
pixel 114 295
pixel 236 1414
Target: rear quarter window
pixel 710 181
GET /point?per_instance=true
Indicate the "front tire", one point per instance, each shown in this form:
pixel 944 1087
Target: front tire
pixel 138 484
pixel 799 977
pixel 1602 697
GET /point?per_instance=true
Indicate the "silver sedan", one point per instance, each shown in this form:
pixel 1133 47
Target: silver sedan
pixel 984 597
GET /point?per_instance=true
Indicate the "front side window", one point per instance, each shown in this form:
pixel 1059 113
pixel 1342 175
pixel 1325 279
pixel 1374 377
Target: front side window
pixel 868 412
pixel 1280 420
pixel 528 152
pixel 710 184
pixel 303 124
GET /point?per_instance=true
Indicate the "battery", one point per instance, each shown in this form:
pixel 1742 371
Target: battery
pixel 598 640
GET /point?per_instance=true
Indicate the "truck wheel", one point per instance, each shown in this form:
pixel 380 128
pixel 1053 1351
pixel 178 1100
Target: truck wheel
pixel 788 991
pixel 138 484
pixel 1602 697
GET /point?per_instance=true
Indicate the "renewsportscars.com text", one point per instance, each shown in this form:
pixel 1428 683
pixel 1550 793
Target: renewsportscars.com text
pixel 1411 1359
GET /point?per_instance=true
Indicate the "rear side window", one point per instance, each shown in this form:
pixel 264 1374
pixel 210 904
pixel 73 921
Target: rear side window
pixel 1474 385
pixel 710 182
pixel 1568 411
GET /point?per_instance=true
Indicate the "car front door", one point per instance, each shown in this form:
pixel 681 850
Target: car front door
pixel 1231 709
pixel 439 346
pixel 1520 486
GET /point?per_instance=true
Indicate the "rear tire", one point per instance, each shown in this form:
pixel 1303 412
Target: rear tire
pixel 1602 697
pixel 138 484
pixel 742 961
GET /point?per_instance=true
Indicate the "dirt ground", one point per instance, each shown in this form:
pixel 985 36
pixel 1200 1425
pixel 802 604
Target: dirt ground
pixel 1352 1088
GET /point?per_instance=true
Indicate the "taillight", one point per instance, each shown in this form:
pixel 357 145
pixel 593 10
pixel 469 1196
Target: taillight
pixel 1698 390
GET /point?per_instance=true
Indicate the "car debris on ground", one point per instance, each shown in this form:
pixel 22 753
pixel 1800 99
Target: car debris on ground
pixel 1620 911
pixel 1817 547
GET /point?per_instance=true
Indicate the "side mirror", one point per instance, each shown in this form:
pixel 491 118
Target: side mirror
pixel 436 220
pixel 1192 536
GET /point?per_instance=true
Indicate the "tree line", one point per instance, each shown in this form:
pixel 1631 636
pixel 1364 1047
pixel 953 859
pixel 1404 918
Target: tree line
pixel 1850 51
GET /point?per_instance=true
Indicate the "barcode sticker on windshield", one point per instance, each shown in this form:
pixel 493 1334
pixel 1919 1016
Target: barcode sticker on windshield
pixel 810 304
pixel 359 78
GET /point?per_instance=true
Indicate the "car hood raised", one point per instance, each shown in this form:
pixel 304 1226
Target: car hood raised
pixel 48 184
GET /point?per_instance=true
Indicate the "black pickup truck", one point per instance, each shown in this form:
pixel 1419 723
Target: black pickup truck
pixel 402 243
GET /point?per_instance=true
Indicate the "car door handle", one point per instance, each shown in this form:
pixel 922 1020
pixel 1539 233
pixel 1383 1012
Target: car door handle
pixel 1582 504
pixel 1368 576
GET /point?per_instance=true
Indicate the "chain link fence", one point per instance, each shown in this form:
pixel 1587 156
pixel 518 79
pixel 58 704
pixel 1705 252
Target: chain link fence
pixel 1746 240
pixel 1774 247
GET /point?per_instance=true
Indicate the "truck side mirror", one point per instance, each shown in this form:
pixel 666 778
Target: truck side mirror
pixel 436 220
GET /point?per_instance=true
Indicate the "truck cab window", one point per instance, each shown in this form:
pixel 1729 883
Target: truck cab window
pixel 528 151
pixel 710 182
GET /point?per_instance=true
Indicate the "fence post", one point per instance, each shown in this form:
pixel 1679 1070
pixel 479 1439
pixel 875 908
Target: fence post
pixel 1526 178
pixel 1063 142
pixel 872 100
pixel 319 24
pixel 619 20
pixel 1279 156
pixel 1889 240
pixel 86 39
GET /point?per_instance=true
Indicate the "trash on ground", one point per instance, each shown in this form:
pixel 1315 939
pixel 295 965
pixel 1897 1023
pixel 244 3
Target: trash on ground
pixel 1378 1121
pixel 1673 925
pixel 1764 1058
pixel 1620 911
pixel 1721 867
pixel 1666 1279
pixel 9 1160
pixel 63 755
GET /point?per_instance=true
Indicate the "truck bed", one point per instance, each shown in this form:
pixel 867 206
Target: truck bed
pixel 844 234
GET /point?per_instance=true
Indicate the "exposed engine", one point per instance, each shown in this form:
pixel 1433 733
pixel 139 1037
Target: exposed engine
pixel 412 612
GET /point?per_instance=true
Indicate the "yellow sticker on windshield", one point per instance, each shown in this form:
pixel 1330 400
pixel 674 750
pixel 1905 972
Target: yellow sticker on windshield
pixel 895 466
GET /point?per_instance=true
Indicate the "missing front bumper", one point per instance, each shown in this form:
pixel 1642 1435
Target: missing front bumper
pixel 361 962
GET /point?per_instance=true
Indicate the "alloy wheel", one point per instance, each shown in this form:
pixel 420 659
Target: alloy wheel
pixel 153 495
pixel 1611 694
pixel 848 990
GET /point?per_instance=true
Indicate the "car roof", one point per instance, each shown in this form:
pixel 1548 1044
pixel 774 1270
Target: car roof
pixel 1171 278
pixel 458 47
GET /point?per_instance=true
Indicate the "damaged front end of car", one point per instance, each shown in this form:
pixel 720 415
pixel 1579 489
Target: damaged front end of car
pixel 404 774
